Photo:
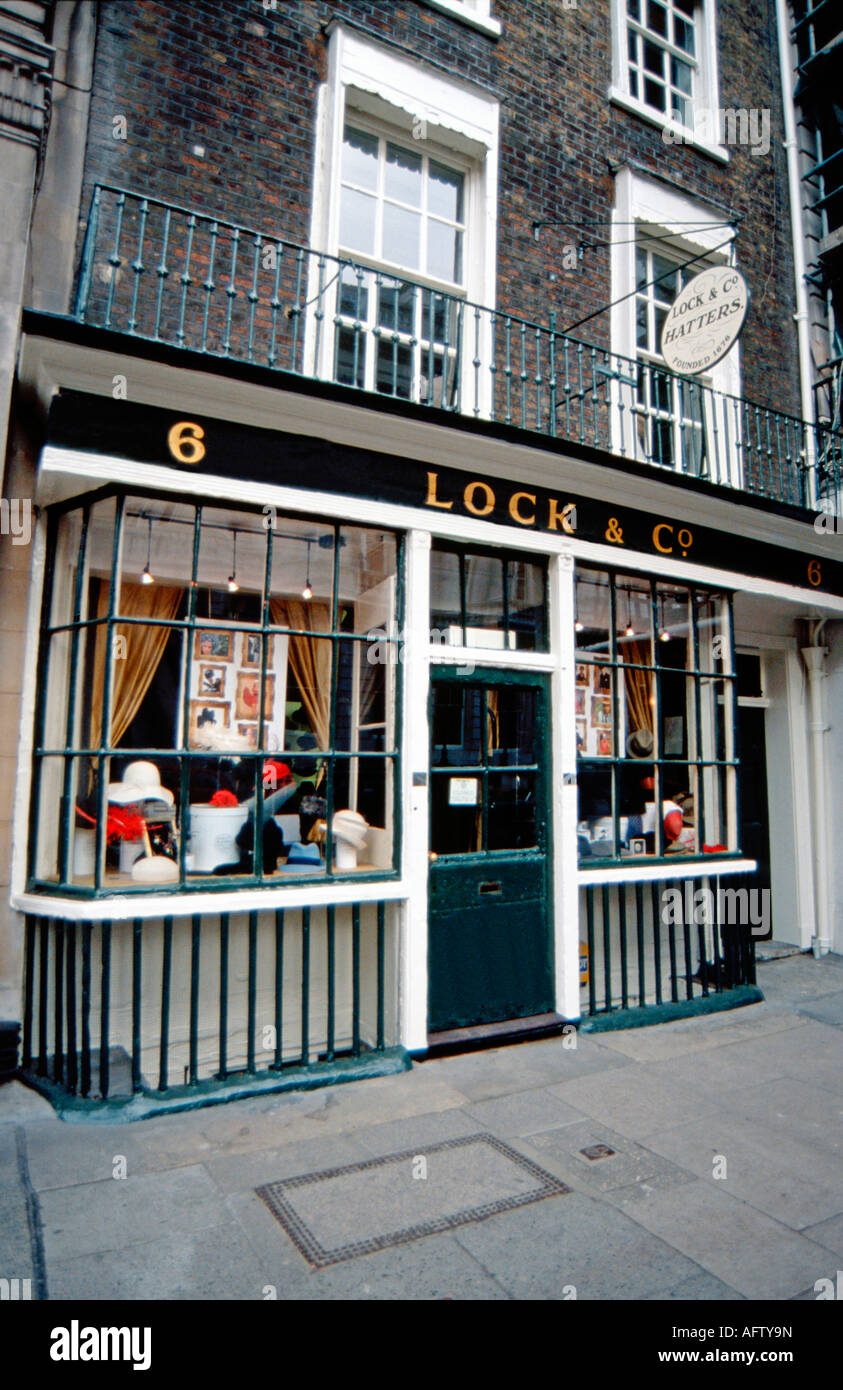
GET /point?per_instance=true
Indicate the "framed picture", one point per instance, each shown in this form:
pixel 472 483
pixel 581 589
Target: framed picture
pixel 582 736
pixel 603 679
pixel 604 743
pixel 206 715
pixel 211 681
pixel 579 700
pixel 583 677
pixel 251 649
pixel 247 696
pixel 213 644
pixel 249 732
pixel 601 712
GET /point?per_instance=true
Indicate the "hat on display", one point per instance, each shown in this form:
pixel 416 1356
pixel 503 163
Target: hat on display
pixel 140 782
pixel 640 744
pixel 350 827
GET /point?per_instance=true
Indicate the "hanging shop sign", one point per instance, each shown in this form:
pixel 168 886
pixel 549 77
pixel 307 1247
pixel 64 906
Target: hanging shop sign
pixel 705 320
pixel 151 435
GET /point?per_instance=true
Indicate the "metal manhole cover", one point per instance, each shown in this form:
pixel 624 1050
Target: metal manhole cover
pixel 595 1151
pixel 340 1213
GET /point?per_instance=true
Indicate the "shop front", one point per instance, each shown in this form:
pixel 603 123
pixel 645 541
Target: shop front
pixel 338 753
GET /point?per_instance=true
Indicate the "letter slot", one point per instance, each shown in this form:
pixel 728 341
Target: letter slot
pixel 488 889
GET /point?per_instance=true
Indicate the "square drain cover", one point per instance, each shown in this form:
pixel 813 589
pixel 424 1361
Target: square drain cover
pixel 595 1151
pixel 341 1213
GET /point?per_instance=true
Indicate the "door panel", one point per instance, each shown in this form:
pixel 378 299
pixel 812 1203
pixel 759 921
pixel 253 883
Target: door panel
pixel 489 936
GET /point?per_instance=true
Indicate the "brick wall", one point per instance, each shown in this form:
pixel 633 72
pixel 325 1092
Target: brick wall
pixel 241 81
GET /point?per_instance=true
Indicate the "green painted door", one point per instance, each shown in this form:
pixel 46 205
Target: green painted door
pixel 489 956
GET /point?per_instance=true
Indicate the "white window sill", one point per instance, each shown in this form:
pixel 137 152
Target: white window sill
pixel 484 23
pixel 653 873
pixel 146 906
pixel 639 108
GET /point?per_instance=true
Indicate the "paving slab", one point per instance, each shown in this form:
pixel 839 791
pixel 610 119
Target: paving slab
pixel 829 1234
pixel 756 1255
pixel 689 1036
pixel 245 1172
pixel 83 1154
pixel 785 1179
pixel 416 1131
pixel 526 1112
pixel 207 1264
pixel 829 1009
pixel 789 1107
pixel 113 1215
pixel 575 1241
pixel 632 1100
pixel 505 1071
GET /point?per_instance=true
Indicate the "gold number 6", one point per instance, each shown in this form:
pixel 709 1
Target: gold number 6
pixel 185 442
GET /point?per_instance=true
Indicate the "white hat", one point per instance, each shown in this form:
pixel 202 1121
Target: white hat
pixel 350 827
pixel 140 782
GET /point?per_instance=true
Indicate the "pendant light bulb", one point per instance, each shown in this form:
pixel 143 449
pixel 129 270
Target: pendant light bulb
pixel 578 626
pixel 233 586
pixel 148 577
pixel 307 592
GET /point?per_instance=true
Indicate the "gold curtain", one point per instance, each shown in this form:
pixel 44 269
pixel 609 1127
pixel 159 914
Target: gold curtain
pixel 132 671
pixel 310 659
pixel 639 688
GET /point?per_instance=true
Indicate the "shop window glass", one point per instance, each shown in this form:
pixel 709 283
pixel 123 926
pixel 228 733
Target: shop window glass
pixel 220 680
pixel 654 727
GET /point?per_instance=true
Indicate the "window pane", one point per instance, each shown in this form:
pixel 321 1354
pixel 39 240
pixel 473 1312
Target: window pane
pixel 675 644
pixel 680 76
pixel 368 567
pixel 526 596
pixel 445 602
pixel 656 17
pixel 454 828
pixel 360 158
pixel 654 58
pixel 350 365
pixel 458 714
pixel 595 830
pixel 396 305
pixel 403 176
pixel 302 560
pixel 393 371
pixel 484 601
pixel 445 192
pixel 634 620
pixel 357 221
pixel 401 236
pixel 444 251
pixel 354 293
pixel 511 725
pixel 593 613
pixel 511 811
pixel 363 786
pixel 654 95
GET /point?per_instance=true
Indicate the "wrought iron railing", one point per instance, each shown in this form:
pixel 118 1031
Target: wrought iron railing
pixel 644 952
pixel 173 275
pixel 175 1008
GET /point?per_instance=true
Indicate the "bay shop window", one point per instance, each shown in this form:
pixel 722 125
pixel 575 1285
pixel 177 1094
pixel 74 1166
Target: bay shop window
pixel 204 671
pixel 655 709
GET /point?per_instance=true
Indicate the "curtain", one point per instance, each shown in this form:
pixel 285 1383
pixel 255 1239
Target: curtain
pixel 310 659
pixel 639 687
pixel 132 671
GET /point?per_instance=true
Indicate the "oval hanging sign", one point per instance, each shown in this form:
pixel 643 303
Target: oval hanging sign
pixel 704 320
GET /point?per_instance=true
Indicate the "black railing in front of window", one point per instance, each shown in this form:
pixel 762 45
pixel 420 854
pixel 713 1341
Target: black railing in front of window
pixel 174 1006
pixel 173 275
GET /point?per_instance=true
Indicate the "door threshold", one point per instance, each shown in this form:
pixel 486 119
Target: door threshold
pixel 450 1041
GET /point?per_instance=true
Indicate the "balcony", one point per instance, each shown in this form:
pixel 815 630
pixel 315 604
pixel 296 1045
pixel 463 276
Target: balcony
pixel 168 274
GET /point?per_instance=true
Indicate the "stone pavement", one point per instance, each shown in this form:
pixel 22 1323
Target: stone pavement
pixel 759 1090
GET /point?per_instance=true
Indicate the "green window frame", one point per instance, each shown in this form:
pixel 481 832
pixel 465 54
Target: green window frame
pixel 656 718
pixel 68 764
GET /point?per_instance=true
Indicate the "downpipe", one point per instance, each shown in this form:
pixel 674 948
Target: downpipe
pixel 814 659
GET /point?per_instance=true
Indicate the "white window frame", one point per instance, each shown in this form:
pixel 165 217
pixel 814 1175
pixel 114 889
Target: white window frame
pixel 651 205
pixel 705 101
pixel 455 121
pixel 476 13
